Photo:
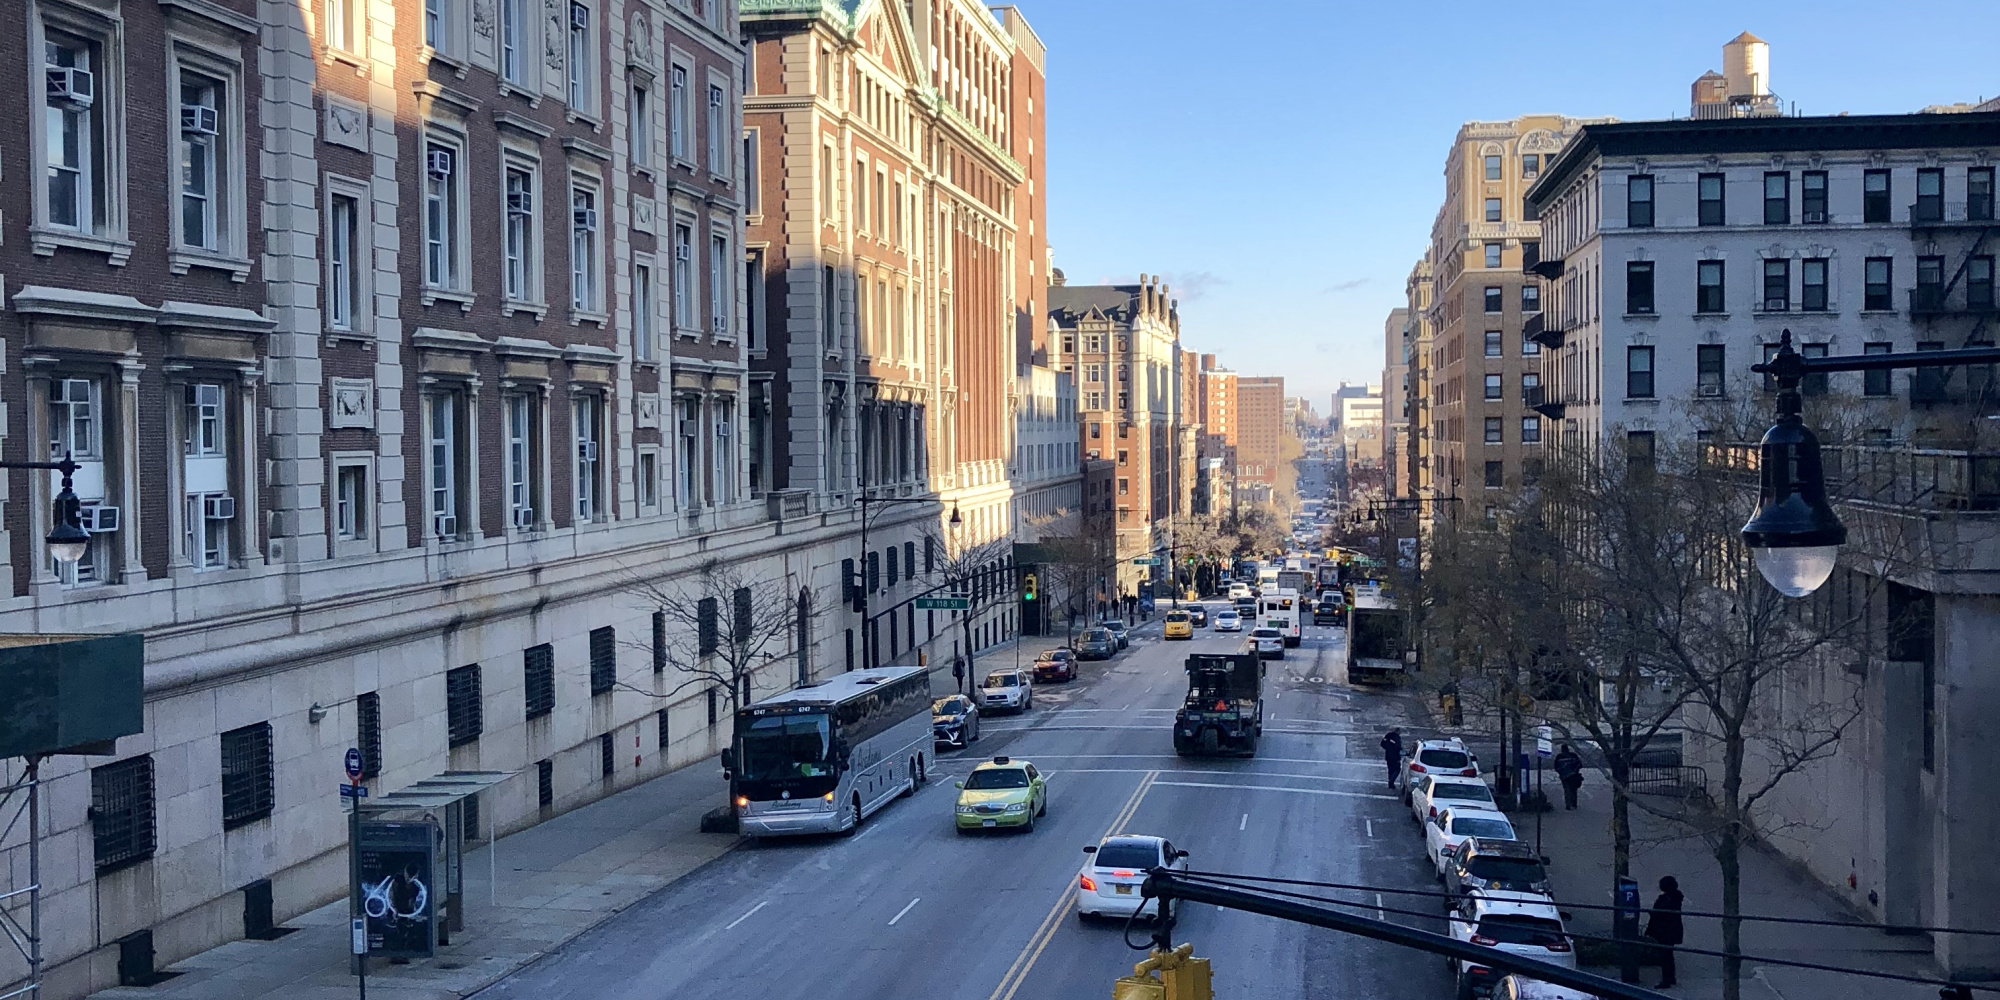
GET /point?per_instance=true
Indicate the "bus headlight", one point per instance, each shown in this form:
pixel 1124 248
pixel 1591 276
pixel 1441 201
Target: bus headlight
pixel 742 801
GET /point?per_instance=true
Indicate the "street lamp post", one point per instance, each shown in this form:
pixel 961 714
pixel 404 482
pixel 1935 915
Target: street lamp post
pixel 1795 534
pixel 861 569
pixel 68 540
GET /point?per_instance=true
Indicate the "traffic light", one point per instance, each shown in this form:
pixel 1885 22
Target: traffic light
pixel 1181 977
pixel 1028 588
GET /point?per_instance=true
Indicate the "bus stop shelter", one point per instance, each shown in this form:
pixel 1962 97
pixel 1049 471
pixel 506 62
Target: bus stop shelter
pixel 441 800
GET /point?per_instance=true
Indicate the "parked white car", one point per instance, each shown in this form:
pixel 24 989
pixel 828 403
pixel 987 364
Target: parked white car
pixel 1520 924
pixel 1456 823
pixel 1008 691
pixel 1439 758
pixel 1429 793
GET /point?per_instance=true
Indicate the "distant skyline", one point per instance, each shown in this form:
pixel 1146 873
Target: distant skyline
pixel 1286 193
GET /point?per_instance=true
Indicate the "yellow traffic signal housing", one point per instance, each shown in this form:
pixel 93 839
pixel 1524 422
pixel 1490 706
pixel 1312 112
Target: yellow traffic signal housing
pixel 1028 590
pixel 1181 977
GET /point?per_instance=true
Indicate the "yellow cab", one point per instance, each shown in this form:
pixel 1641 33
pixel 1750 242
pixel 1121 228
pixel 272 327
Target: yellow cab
pixel 1180 625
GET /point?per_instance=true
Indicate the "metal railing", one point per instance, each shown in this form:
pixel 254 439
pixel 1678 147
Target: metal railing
pixel 1935 479
pixel 1667 779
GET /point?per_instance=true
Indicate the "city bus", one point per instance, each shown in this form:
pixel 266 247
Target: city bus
pixel 820 759
pixel 1280 608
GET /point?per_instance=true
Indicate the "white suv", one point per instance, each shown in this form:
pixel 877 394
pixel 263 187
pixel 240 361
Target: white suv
pixel 1009 690
pixel 1519 923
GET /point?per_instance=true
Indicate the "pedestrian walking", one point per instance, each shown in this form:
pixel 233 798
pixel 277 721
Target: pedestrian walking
pixel 1665 927
pixel 958 672
pixel 1392 754
pixel 1569 767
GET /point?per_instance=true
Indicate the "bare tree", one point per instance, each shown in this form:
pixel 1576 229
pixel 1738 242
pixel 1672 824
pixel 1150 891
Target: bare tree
pixel 981 572
pixel 1074 569
pixel 716 628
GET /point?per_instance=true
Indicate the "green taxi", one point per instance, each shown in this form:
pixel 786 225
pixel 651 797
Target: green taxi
pixel 1002 793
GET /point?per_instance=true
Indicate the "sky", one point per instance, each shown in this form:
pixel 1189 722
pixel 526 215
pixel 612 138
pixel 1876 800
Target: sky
pixel 1280 161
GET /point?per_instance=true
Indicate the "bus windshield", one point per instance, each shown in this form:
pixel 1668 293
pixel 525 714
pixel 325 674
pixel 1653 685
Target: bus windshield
pixel 786 746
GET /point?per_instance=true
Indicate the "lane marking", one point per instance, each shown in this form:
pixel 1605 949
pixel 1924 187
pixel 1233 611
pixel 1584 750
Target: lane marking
pixel 1380 914
pixel 913 903
pixel 753 912
pixel 1017 973
pixel 1273 788
pixel 1371 829
pixel 1243 823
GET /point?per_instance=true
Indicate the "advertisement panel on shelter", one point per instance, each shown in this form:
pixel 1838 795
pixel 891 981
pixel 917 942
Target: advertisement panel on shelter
pixel 399 893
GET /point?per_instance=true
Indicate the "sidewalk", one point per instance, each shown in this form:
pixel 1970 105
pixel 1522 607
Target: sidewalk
pixel 555 881
pixel 1578 845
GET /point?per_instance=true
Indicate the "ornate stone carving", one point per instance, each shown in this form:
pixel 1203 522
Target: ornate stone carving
pixel 346 124
pixel 557 34
pixel 353 403
pixel 1540 141
pixel 642 215
pixel 648 413
pixel 639 39
pixel 482 18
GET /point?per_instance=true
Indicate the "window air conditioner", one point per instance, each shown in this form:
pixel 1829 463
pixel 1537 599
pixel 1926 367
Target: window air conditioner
pixel 72 86
pixel 444 526
pixel 683 252
pixel 584 220
pixel 520 202
pixel 197 119
pixel 579 16
pixel 524 517
pixel 690 428
pixel 216 507
pixel 1708 390
pixel 1775 305
pixel 719 324
pixel 438 162
pixel 98 520
pixel 1813 217
pixel 586 450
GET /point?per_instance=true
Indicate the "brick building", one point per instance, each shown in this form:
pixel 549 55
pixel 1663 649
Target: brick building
pixel 1260 428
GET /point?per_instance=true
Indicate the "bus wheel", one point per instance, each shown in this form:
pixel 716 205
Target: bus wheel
pixel 856 828
pixel 920 769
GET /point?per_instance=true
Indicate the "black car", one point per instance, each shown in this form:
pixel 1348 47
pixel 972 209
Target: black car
pixel 1509 865
pixel 1198 615
pixel 954 721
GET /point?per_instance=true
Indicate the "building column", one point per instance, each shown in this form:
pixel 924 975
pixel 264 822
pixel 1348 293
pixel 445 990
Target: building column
pixel 1966 882
pixel 131 570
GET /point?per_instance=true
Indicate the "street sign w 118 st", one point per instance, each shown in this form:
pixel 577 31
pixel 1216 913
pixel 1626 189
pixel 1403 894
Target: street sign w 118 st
pixel 952 603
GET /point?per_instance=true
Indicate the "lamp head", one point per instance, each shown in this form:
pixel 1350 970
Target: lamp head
pixel 67 541
pixel 955 519
pixel 1795 534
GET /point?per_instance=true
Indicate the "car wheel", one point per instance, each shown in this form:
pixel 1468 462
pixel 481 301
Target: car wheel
pixel 1029 826
pixel 1044 810
pixel 1465 991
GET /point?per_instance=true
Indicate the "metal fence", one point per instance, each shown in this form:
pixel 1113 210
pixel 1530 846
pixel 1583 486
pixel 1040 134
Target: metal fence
pixel 1905 477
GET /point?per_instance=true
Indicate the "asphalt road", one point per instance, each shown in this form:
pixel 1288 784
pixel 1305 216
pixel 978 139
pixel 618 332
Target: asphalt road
pixel 908 910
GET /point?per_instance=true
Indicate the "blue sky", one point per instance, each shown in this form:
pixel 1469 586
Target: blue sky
pixel 1280 161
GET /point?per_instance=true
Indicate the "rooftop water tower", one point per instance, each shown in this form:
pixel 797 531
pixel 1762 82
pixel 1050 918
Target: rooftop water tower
pixel 1743 88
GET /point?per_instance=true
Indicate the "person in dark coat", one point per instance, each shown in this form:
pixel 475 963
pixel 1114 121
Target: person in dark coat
pixel 1392 754
pixel 1665 927
pixel 1569 768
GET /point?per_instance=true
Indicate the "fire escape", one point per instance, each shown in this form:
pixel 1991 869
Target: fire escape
pixel 1952 304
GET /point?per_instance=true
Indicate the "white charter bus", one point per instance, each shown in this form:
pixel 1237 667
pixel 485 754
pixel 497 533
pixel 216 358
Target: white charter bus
pixel 1280 609
pixel 820 759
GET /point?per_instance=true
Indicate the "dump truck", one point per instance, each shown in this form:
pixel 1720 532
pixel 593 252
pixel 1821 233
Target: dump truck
pixel 1224 710
pixel 1377 638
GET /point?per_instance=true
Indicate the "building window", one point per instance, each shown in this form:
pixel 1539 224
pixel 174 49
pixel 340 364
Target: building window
pixel 642 312
pixel 720 135
pixel 518 268
pixel 1529 348
pixel 639 127
pixel 444 457
pixel 343 236
pixel 1708 292
pixel 205 450
pixel 648 476
pixel 1709 197
pixel 203 167
pixel 1531 165
pixel 1812 285
pixel 545 783
pixel 1531 430
pixel 1530 382
pixel 1639 201
pixel 368 732
pixel 538 681
pixel 351 507
pixel 464 712
pixel 1777 198
pixel 1979 194
pixel 1639 451
pixel 78 100
pixel 121 813
pixel 1639 287
pixel 1493 390
pixel 1814 383
pixel 514 52
pixel 1876 290
pixel 687 457
pixel 1928 296
pixel 1927 384
pixel 441 213
pixel 1979 284
pixel 724 464
pixel 1876 383
pixel 1930 196
pixel 1493 346
pixel 1709 370
pixel 603 660
pixel 587 416
pixel 1492 168
pixel 1531 299
pixel 523 460
pixel 580 73
pixel 720 266
pixel 1777 285
pixel 683 290
pixel 583 263
pixel 1496 475
pixel 753 174
pixel 1493 210
pixel 1875 196
pixel 1812 197
pixel 1492 255
pixel 677 112
pixel 342 27
pixel 1493 302
pixel 1638 373
pixel 246 775
pixel 1494 430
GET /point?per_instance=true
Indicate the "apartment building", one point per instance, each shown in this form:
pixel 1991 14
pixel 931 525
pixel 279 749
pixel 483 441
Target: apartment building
pixel 1484 369
pixel 1395 404
pixel 1678 254
pixel 1123 341
pixel 1046 471
pixel 1419 462
pixel 1361 441
pixel 1215 407
pixel 1260 428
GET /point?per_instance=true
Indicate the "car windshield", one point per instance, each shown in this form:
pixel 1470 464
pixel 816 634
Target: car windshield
pixel 1096 635
pixel 1115 625
pixel 1002 680
pixel 1178 616
pixel 1510 870
pixel 1461 791
pixel 1127 855
pixel 954 705
pixel 1225 614
pixel 1513 928
pixel 1481 826
pixel 1265 633
pixel 1450 760
pixel 785 746
pixel 997 777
